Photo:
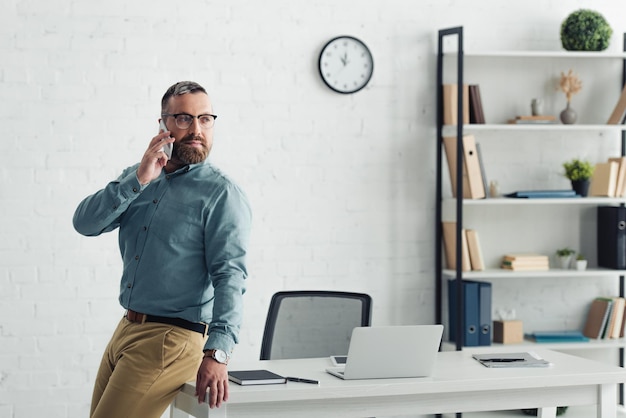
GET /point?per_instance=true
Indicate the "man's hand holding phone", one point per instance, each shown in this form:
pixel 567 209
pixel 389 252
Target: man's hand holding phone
pixel 154 159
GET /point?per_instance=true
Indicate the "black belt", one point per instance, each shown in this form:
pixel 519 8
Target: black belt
pixel 140 318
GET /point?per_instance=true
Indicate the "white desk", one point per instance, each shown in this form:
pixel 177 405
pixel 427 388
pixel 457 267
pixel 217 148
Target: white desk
pixel 459 384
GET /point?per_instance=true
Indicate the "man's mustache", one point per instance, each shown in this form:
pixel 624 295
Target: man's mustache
pixel 191 138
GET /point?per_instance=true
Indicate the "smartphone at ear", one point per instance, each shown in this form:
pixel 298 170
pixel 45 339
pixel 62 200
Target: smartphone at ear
pixel 167 148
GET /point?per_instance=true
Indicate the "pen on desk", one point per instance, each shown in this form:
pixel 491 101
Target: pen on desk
pixel 503 360
pixel 301 380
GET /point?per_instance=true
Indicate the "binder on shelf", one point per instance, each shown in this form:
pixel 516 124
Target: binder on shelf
pixel 449 242
pixel 604 179
pixel 476 105
pixel 450 93
pixel 471 324
pixel 597 318
pixel 617 116
pixel 484 313
pixel 611 237
pixel 473 187
pixel 475 253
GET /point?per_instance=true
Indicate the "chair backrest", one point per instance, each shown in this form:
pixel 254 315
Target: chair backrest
pixel 313 323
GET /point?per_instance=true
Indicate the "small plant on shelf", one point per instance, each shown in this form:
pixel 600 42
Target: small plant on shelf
pixel 579 173
pixel 585 30
pixel 581 262
pixel 576 170
pixel 564 256
pixel 565 252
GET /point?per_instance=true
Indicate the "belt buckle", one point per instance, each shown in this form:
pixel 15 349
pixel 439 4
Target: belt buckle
pixel 133 316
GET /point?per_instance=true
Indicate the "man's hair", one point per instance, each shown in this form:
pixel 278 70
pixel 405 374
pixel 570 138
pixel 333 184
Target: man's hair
pixel 180 88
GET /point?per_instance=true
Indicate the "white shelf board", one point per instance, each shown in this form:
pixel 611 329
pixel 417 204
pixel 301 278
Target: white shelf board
pixel 538 201
pixel 530 345
pixel 541 54
pixel 537 127
pixel 497 273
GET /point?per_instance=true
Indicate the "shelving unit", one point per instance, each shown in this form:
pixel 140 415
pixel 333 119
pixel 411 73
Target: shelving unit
pixel 458 204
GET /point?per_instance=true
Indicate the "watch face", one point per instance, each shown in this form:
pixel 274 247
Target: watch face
pixel 346 64
pixel 220 356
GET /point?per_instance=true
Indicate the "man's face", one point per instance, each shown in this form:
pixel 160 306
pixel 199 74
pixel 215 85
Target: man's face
pixel 193 144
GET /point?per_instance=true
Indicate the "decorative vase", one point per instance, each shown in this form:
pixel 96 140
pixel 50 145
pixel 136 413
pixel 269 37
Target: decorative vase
pixel 581 187
pixel 568 115
pixel 581 264
pixel 536 107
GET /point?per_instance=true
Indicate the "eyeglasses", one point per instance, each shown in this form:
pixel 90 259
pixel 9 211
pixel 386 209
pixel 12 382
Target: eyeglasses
pixel 184 120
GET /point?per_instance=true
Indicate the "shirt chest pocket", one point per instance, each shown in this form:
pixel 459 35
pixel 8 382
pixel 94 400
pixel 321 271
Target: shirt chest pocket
pixel 177 223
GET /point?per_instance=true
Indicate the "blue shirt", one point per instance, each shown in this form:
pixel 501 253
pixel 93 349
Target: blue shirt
pixel 183 240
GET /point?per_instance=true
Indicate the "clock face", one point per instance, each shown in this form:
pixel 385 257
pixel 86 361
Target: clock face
pixel 346 64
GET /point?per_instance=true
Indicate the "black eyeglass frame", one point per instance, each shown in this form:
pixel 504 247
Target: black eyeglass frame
pixel 176 115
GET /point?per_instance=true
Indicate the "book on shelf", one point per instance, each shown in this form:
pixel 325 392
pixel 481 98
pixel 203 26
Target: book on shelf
pixel 619 111
pixel 255 377
pixel 449 242
pixel 481 164
pixel 557 336
pixel 473 187
pixel 620 183
pixel 542 194
pixel 526 257
pixel 477 114
pixel 604 179
pixel 507 265
pixel 614 326
pixel 475 252
pixel 525 262
pixel 450 103
pixel 597 318
pixel 533 119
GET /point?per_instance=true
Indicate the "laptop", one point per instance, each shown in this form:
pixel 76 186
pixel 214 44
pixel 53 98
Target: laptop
pixel 391 351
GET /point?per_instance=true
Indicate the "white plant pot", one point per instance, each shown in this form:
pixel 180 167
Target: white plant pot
pixel 565 261
pixel 581 264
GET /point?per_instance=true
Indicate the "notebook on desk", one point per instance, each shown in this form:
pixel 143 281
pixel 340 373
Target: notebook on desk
pixel 391 351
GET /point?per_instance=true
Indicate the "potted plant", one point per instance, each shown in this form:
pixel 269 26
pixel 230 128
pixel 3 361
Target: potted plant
pixel 579 173
pixel 581 262
pixel 565 257
pixel 585 30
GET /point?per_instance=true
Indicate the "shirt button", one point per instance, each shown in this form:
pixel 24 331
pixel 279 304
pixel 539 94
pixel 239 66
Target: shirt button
pixel 136 257
pixel 155 201
pixel 129 285
pixel 135 189
pixel 145 228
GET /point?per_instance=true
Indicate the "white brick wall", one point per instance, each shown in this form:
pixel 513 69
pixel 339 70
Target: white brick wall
pixel 342 186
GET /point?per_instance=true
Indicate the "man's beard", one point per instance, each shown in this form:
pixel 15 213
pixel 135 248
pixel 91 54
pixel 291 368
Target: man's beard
pixel 189 154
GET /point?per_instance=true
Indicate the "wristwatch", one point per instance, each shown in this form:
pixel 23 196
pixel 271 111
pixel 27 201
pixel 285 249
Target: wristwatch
pixel 218 355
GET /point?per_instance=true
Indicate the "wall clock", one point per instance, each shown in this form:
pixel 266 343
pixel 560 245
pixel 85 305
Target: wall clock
pixel 346 64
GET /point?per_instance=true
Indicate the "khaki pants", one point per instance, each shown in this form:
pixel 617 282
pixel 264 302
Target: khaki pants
pixel 143 368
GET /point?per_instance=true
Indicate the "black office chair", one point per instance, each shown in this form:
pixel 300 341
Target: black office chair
pixel 313 323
